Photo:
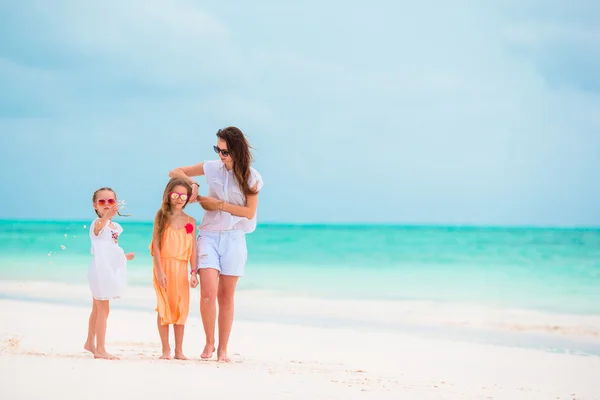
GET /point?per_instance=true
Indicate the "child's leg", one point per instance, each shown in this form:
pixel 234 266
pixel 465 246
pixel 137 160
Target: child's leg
pixel 163 331
pixel 103 310
pixel 179 342
pixel 90 344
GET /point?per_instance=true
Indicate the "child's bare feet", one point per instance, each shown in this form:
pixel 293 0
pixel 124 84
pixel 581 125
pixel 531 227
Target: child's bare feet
pixel 179 356
pixel 90 347
pixel 209 349
pixel 166 355
pixel 105 355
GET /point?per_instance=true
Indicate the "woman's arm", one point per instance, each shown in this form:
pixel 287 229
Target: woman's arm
pixel 185 173
pixel 247 211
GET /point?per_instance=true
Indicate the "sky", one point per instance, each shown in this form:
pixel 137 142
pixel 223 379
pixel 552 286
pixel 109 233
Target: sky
pixel 430 112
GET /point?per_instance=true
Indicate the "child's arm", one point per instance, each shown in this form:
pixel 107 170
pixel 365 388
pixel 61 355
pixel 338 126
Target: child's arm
pixel 160 275
pixel 108 215
pixel 194 259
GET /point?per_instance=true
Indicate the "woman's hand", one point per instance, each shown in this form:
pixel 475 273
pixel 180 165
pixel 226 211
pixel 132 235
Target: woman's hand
pixel 161 278
pixel 194 281
pixel 129 256
pixel 194 195
pixel 210 203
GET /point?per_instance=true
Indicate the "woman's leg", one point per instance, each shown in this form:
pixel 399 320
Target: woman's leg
pixel 225 297
pixel 90 343
pixel 163 332
pixel 209 279
pixel 103 309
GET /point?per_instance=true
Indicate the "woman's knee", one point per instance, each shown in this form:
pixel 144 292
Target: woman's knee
pixel 226 294
pixel 208 294
pixel 225 301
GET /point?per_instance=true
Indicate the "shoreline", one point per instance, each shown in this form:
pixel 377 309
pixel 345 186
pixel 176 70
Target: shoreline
pixel 563 333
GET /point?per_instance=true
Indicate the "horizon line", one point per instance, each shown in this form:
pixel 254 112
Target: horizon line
pixel 346 224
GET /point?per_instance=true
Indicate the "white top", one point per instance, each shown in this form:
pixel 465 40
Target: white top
pixel 107 274
pixel 222 185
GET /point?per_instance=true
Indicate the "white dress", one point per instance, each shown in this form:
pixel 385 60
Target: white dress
pixel 107 274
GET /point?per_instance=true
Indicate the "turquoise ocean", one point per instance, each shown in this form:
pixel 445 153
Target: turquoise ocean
pixel 551 273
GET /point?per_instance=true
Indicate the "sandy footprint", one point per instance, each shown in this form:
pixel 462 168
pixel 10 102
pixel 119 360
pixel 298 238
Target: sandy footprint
pixel 10 344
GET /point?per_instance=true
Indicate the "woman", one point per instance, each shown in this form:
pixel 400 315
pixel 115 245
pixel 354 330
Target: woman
pixel 230 206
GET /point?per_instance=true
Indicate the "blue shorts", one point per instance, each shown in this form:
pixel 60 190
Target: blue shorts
pixel 224 251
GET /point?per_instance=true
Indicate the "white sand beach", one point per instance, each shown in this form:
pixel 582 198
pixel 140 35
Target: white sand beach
pixel 42 356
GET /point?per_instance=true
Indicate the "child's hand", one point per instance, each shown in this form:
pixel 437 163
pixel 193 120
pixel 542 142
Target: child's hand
pixel 194 281
pixel 129 256
pixel 112 211
pixel 162 279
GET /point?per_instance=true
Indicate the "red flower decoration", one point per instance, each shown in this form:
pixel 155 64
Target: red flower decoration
pixel 189 228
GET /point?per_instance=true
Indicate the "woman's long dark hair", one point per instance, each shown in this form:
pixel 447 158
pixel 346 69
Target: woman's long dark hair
pixel 239 150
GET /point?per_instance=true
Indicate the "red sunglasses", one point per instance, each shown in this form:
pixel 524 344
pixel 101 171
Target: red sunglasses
pixel 103 202
pixel 175 196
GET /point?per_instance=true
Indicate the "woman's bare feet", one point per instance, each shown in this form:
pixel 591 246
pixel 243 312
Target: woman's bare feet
pixel 104 355
pixel 90 347
pixel 209 349
pixel 222 356
pixel 179 356
pixel 166 355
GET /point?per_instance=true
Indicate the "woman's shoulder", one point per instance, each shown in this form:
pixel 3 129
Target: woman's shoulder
pixel 210 165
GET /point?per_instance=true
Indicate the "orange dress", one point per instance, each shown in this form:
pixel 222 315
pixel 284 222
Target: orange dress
pixel 173 303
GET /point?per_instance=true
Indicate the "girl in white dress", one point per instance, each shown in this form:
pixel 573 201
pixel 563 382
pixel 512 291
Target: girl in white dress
pixel 107 275
pixel 233 187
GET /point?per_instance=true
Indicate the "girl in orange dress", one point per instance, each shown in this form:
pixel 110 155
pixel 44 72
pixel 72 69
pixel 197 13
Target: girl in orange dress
pixel 172 248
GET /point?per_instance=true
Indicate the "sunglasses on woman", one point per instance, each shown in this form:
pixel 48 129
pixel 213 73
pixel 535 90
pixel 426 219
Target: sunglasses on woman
pixel 222 151
pixel 175 196
pixel 103 202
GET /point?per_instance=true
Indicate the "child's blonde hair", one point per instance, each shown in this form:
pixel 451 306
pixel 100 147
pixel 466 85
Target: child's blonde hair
pixel 165 208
